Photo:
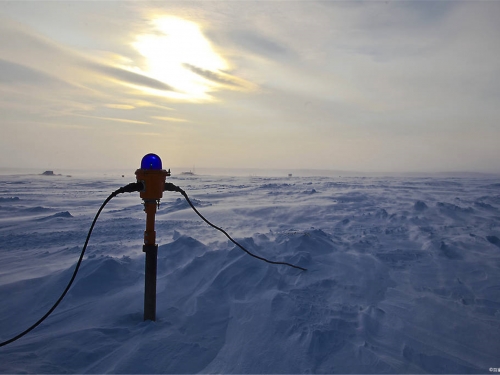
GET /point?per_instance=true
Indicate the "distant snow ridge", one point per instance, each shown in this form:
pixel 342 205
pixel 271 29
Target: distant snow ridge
pixel 9 199
pixel 181 204
pixel 403 277
pixel 494 240
pixel 420 206
pixel 64 214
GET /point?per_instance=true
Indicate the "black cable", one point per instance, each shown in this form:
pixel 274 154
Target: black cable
pixel 135 186
pixel 171 187
pixel 132 187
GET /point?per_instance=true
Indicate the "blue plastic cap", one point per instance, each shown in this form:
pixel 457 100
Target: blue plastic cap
pixel 151 161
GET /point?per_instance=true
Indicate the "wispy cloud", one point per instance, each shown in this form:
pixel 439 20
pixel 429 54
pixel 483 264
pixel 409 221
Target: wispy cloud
pixel 169 119
pixel 127 77
pixel 14 73
pixel 114 119
pixel 218 77
pixel 254 42
pixel 120 106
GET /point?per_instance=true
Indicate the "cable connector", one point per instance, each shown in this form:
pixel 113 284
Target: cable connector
pixel 130 188
pixel 171 187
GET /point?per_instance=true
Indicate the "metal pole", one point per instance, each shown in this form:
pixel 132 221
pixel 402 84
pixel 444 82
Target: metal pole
pixel 151 250
pixel 150 282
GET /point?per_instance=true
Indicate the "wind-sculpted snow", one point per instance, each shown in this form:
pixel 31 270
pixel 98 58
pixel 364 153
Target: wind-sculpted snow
pixel 9 199
pixel 403 277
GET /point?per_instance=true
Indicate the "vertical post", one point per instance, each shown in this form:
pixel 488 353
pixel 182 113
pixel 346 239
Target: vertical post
pixel 152 177
pixel 151 250
pixel 150 282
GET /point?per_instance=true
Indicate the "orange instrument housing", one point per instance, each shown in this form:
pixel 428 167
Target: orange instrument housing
pixel 154 184
pixel 153 181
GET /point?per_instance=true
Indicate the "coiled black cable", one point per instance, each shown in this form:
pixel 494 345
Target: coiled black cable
pixel 135 186
pixel 171 187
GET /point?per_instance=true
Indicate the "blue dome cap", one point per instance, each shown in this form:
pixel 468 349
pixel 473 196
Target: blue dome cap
pixel 151 161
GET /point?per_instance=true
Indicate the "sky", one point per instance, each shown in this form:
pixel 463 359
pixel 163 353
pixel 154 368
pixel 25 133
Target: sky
pixel 375 86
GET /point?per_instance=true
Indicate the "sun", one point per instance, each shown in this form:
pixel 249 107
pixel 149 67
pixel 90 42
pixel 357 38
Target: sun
pixel 176 45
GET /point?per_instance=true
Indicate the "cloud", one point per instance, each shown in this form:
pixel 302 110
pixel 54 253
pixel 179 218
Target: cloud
pixel 14 73
pixel 119 106
pixel 218 77
pixel 128 77
pixel 262 45
pixel 20 44
pixel 127 121
pixel 169 119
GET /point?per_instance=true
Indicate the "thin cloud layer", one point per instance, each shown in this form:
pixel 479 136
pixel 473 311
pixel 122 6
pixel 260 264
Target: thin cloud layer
pixel 13 73
pixel 387 86
pixel 128 77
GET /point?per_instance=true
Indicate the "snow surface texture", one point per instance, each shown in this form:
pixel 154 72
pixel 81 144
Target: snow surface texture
pixel 404 276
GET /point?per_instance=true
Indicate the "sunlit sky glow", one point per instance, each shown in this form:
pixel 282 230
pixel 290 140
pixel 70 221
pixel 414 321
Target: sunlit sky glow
pixel 389 86
pixel 176 45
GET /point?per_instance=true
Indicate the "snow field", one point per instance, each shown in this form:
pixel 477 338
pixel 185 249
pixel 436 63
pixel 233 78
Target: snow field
pixel 403 276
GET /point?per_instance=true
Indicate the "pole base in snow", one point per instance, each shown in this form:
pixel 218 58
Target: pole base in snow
pixel 150 282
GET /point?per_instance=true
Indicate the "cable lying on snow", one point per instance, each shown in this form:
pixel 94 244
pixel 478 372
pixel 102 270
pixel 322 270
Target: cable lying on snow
pixel 171 187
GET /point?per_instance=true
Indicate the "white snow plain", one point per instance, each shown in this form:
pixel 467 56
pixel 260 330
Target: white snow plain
pixel 403 276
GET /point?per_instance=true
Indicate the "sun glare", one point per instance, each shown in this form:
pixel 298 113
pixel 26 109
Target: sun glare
pixel 177 45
